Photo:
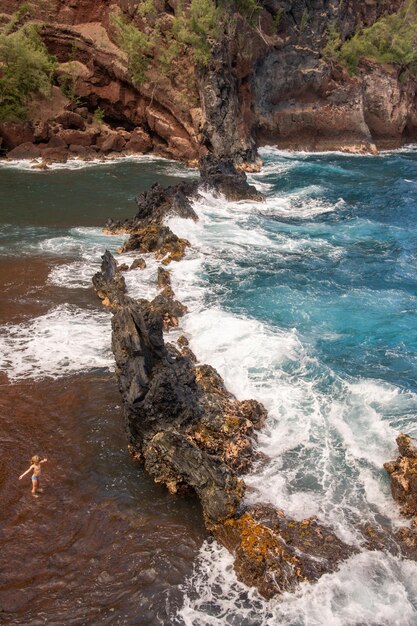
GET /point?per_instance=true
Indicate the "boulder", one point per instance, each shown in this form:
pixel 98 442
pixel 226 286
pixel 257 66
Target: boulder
pixel 59 155
pixel 112 143
pixel 139 142
pixel 81 151
pixel 16 133
pixel 71 120
pixel 24 151
pixel 138 264
pixel 56 142
pixel 42 132
pixel 76 137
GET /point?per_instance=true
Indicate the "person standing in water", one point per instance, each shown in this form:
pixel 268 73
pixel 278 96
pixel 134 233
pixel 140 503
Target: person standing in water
pixel 36 467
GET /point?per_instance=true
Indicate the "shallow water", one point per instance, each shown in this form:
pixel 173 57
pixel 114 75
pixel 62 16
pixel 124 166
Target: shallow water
pixel 306 302
pixel 103 544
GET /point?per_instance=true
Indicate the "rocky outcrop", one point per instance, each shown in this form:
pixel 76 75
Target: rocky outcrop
pixel 403 475
pixel 191 433
pixel 187 429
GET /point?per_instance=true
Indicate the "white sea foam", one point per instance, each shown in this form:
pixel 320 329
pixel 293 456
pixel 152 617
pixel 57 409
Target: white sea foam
pixel 370 588
pixel 326 439
pixel 65 340
pixel 141 283
pixel 77 163
pixel 87 246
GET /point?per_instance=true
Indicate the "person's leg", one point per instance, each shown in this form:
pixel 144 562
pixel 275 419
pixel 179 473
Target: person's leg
pixel 34 486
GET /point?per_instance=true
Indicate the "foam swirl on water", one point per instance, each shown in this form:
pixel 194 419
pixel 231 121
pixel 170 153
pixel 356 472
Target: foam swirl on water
pixel 66 340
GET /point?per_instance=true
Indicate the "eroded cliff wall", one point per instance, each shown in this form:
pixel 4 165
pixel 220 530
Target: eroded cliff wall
pixel 265 81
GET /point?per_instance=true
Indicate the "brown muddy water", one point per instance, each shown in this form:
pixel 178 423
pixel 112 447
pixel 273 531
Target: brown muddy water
pixel 102 544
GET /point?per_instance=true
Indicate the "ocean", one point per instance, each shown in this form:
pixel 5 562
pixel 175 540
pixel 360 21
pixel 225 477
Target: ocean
pixel 306 302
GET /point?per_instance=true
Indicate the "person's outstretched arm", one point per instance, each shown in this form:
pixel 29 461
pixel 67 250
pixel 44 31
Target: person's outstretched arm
pixel 24 473
pixel 43 461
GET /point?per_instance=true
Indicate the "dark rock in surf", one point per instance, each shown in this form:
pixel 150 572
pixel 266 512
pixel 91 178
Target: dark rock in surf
pixel 159 203
pixel 192 433
pixel 158 239
pixel 221 176
pixel 155 205
pixel 109 284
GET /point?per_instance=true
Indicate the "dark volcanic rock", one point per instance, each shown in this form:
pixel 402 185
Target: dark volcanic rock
pixel 222 176
pixel 157 204
pixel 109 284
pixel 158 239
pixel 191 433
pixel 165 408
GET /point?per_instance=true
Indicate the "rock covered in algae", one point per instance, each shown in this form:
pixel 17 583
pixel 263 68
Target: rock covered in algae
pixel 403 475
pixel 275 553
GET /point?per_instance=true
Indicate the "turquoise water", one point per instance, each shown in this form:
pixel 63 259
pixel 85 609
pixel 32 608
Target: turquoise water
pixel 306 302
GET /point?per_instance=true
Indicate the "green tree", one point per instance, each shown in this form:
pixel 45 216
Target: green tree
pixel 26 69
pixel 392 39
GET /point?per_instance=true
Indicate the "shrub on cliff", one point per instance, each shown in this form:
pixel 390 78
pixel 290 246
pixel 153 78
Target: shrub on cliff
pixel 198 25
pixel 136 44
pixel 392 39
pixel 26 69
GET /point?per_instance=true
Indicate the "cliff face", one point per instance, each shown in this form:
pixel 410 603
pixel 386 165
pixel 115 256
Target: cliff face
pixel 302 101
pixel 265 83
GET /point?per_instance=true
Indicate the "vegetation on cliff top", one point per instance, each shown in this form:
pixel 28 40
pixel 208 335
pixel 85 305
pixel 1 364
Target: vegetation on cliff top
pixel 195 27
pixel 26 68
pixel 392 39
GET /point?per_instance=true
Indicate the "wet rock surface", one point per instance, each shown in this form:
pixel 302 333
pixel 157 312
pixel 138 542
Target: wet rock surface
pixel 221 176
pixel 191 433
pixel 403 475
pixel 275 553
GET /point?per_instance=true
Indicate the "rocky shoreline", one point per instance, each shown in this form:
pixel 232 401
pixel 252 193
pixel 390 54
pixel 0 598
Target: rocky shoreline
pixel 187 429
